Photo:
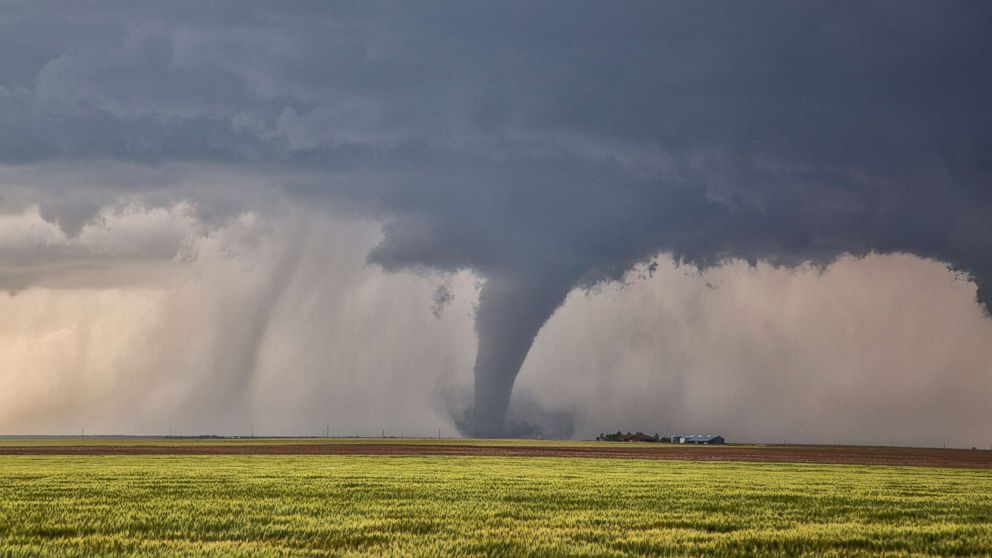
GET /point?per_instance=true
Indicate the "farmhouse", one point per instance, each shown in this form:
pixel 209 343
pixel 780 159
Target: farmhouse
pixel 697 439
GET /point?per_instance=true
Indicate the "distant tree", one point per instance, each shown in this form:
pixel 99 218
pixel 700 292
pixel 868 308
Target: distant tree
pixel 620 436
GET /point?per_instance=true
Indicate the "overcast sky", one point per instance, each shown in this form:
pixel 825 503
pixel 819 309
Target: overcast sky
pixel 771 221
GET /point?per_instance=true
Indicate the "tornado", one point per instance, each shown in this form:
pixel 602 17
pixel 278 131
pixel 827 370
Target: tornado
pixel 510 314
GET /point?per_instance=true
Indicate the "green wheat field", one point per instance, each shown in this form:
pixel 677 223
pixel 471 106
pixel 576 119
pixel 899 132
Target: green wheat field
pixel 266 505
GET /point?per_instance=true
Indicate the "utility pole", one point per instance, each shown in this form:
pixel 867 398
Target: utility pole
pixel 438 433
pixel 383 432
pixel 328 431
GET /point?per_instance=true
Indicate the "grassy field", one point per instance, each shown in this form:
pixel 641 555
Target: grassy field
pixel 447 506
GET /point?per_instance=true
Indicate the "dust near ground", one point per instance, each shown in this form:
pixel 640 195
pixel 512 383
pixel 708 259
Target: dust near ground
pixel 857 455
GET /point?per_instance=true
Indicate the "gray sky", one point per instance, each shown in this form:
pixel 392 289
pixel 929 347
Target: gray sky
pixel 364 214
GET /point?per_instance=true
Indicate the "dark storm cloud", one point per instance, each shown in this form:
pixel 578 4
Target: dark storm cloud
pixel 547 146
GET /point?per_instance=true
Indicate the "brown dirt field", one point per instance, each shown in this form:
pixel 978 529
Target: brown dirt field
pixel 855 455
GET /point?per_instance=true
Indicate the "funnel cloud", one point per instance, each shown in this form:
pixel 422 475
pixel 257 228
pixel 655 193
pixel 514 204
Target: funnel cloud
pixel 505 157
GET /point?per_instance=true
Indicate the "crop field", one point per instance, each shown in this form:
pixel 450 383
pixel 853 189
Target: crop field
pixel 455 505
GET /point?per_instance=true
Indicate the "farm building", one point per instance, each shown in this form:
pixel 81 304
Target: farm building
pixel 697 439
